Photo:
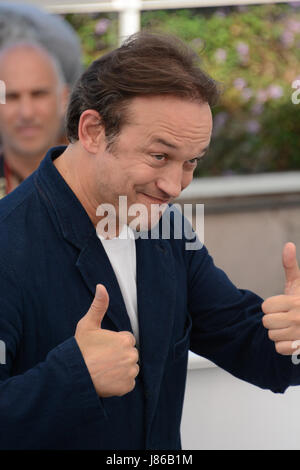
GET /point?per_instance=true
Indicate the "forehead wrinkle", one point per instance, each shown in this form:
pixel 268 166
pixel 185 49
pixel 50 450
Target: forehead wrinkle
pixel 177 124
pixel 174 140
pixel 161 106
pixel 178 128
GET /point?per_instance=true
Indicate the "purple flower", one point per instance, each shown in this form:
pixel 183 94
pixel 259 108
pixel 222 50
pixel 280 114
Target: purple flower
pixel 247 93
pixel 219 122
pixel 221 13
pixel 257 108
pixel 262 96
pixel 220 55
pixel 275 91
pixel 239 83
pixel 243 52
pixel 252 126
pixel 102 26
pixel 287 38
pixel 293 25
pixel 198 43
pixel 243 49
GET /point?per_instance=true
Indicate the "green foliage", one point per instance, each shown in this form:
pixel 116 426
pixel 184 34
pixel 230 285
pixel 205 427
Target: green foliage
pixel 254 52
pixel 98 33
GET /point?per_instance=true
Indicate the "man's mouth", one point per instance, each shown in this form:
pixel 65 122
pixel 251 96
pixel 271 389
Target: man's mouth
pixel 156 200
pixel 28 131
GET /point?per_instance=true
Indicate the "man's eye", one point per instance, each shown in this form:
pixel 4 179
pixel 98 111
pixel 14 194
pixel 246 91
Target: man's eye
pixel 11 96
pixel 38 93
pixel 194 161
pixel 158 157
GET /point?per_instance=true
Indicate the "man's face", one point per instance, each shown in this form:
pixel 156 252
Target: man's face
pixel 156 153
pixel 30 120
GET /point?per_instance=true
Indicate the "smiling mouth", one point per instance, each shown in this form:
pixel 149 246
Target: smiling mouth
pixel 28 130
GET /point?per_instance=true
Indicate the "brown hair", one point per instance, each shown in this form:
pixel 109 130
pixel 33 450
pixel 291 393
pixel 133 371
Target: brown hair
pixel 146 64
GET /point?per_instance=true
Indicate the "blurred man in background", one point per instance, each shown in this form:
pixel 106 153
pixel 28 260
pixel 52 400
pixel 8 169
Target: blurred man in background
pixel 40 60
pixel 32 116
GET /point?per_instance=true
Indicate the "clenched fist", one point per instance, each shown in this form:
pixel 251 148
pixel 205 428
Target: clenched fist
pixel 111 357
pixel 282 312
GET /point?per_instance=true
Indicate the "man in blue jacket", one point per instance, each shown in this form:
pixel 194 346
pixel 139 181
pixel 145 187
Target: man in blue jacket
pixel 97 326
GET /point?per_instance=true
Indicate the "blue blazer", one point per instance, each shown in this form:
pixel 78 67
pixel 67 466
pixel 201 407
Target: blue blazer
pixel 50 262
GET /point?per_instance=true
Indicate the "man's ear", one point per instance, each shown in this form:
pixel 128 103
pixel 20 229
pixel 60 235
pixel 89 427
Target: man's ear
pixel 90 130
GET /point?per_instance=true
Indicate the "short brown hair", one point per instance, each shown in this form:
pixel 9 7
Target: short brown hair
pixel 146 64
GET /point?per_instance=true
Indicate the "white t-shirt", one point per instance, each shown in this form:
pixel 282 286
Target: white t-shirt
pixel 122 255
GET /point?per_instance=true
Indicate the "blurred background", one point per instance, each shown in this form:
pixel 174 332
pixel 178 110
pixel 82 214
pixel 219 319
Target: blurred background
pixel 254 51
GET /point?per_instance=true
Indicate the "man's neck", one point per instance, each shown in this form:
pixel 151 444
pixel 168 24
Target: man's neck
pixel 75 174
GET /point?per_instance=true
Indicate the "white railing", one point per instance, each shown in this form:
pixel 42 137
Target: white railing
pixel 243 185
pixel 130 10
pixel 72 6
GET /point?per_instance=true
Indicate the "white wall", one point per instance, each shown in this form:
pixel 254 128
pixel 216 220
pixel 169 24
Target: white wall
pixel 222 412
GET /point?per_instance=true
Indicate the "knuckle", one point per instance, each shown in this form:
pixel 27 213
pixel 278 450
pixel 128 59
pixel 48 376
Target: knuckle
pixel 282 348
pixel 126 341
pixel 123 389
pixel 271 335
pixel 267 304
pixel 80 323
pixel 79 327
pixel 127 338
pixel 134 355
pixel 264 306
pixel 293 318
pixel 127 387
pixel 296 301
pixel 265 321
pixel 135 371
pixel 131 385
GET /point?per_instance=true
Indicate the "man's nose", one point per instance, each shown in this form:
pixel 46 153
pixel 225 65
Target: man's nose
pixel 26 107
pixel 170 182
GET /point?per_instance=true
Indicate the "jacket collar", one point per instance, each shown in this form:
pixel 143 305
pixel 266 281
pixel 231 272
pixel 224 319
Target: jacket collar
pixel 72 218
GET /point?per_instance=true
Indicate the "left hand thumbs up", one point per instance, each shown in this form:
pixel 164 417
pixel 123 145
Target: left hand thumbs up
pixel 291 268
pixel 282 312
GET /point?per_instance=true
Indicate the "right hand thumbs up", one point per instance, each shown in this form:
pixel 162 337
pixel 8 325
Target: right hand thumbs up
pixel 93 318
pixel 110 356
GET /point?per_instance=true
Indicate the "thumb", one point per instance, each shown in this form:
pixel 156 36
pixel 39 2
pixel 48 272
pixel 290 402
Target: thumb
pixel 94 316
pixel 291 268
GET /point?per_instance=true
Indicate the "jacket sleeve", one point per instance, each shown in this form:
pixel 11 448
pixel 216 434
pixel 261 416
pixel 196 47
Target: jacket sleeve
pixel 228 330
pixel 49 405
